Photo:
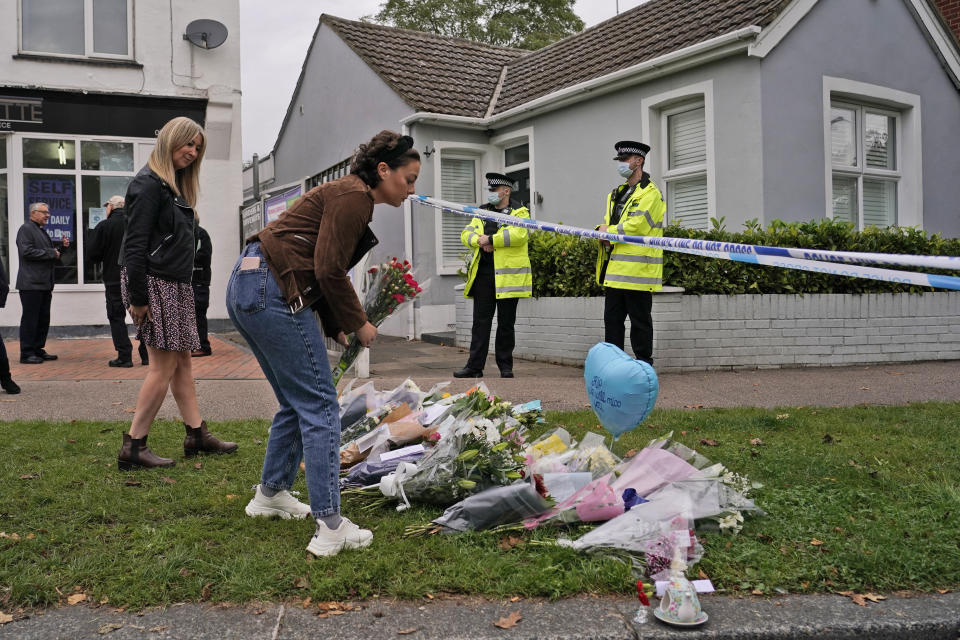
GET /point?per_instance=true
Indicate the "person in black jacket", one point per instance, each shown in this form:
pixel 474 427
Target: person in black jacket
pixel 38 258
pixel 157 267
pixel 104 247
pixel 202 274
pixel 6 382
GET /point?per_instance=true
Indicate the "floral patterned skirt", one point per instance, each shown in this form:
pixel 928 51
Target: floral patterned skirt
pixel 173 326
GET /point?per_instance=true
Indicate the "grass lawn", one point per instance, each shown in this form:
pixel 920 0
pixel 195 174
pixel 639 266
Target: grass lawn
pixel 862 499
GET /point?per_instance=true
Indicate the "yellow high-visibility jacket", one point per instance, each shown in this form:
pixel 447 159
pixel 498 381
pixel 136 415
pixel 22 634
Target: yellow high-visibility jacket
pixel 633 266
pixel 512 275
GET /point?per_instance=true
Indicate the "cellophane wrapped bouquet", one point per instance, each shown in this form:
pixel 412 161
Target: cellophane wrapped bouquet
pixel 388 286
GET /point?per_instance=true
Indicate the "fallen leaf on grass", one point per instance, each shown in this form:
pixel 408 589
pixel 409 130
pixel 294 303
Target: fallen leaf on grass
pixel 13 536
pixel 185 573
pixel 756 442
pixel 861 598
pixel 29 476
pixel 510 542
pixel 231 496
pixel 429 596
pixel 404 632
pixel 943 591
pixel 827 438
pixel 303 582
pixel 510 621
pixel 76 598
pixel 756 592
pixel 168 480
pixel 783 416
pixel 307 601
pixel 132 483
pixel 205 592
pixel 5 618
pixel 702 575
pixel 816 542
pixel 109 628
pixel 198 465
pixel 515 599
pixel 708 442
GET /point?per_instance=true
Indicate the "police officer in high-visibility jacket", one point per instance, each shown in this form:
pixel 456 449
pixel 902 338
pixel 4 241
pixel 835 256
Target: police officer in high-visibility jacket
pixel 630 272
pixel 499 276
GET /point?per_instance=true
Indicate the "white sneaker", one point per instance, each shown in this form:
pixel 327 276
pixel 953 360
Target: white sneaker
pixel 282 505
pixel 329 542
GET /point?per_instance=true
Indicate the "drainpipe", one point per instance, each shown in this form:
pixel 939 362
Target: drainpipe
pixel 256 177
pixel 408 252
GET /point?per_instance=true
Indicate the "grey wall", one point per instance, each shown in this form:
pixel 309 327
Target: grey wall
pixel 867 41
pixel 573 147
pixel 344 104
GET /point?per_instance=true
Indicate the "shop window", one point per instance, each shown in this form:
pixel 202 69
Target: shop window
pixel 76 193
pixel 106 156
pixel 58 190
pixel 686 175
pixel 49 153
pixel 865 175
pixel 90 28
pixel 458 183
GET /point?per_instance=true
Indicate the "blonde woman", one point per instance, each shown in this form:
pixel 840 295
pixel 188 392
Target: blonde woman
pixel 157 258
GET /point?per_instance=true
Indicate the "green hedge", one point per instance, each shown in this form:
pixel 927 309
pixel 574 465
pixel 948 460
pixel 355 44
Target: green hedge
pixel 564 266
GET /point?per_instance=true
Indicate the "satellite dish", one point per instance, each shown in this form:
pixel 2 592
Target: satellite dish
pixel 206 34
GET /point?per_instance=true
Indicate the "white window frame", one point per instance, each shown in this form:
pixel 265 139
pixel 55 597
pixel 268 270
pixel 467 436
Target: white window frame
pixel 683 173
pixel 653 126
pixel 16 171
pixel 906 107
pixel 860 170
pixel 87 36
pixel 455 150
pixel 512 139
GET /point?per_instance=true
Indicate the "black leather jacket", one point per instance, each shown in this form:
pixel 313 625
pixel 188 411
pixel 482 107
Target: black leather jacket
pixel 160 235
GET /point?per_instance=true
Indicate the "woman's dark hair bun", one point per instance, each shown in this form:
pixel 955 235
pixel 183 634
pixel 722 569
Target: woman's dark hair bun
pixel 387 146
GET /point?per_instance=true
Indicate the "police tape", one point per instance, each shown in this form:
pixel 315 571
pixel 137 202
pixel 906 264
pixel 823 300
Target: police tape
pixel 831 262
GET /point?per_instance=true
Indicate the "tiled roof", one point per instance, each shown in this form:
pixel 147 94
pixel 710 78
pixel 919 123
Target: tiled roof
pixel 431 73
pixel 458 77
pixel 647 31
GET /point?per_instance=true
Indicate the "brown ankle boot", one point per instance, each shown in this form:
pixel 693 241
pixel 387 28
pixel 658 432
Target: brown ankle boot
pixel 135 455
pixel 200 440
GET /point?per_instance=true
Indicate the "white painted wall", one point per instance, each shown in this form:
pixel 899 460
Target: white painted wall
pixel 172 67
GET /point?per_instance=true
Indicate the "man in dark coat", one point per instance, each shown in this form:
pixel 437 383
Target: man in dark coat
pixel 104 247
pixel 38 257
pixel 6 382
pixel 202 273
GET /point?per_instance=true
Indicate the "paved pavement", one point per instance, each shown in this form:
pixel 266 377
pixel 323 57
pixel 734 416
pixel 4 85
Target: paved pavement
pixel 230 386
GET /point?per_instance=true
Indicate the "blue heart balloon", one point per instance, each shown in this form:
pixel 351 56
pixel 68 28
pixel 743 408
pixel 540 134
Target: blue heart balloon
pixel 622 390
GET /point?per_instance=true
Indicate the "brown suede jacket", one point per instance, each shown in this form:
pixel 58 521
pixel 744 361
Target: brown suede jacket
pixel 313 244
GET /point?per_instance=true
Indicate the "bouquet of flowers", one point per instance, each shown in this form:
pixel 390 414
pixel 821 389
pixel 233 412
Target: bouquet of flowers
pixel 388 286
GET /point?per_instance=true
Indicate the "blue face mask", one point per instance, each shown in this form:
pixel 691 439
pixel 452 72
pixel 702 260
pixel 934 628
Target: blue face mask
pixel 494 198
pixel 623 168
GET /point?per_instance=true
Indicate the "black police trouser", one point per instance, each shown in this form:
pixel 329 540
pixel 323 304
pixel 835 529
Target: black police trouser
pixel 620 303
pixel 4 361
pixel 35 321
pixel 201 302
pixel 484 304
pixel 117 316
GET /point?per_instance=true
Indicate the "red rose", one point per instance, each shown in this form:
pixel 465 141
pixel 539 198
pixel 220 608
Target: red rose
pixel 398 297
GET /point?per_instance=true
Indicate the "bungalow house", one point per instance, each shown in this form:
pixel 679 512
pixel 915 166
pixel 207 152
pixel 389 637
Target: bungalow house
pixel 755 109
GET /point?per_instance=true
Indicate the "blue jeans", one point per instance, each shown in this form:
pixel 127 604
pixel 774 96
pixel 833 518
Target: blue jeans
pixel 290 349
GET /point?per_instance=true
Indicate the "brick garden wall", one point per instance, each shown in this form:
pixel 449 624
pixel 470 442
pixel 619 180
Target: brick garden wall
pixel 694 333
